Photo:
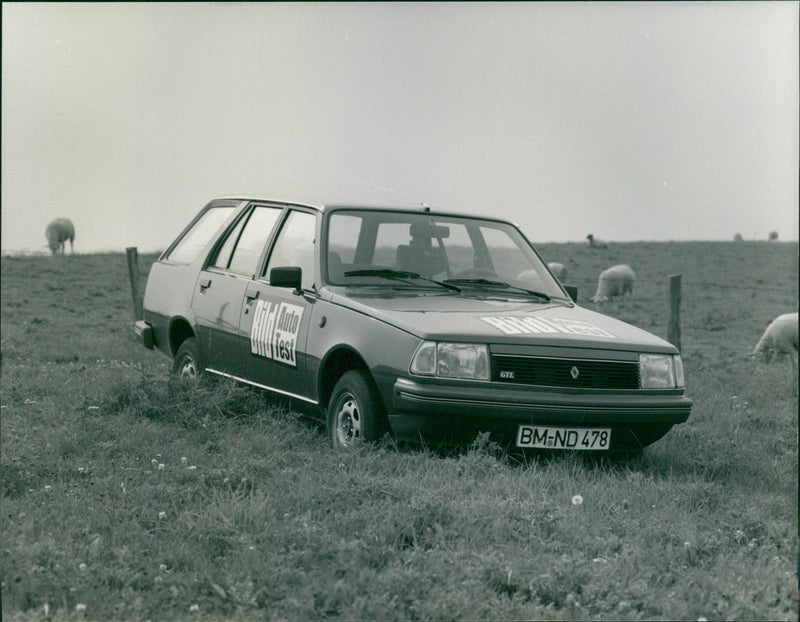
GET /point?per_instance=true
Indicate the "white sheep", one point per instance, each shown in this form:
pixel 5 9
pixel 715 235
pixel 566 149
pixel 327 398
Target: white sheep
pixel 559 270
pixel 779 338
pixel 57 233
pixel 614 282
pixel 595 243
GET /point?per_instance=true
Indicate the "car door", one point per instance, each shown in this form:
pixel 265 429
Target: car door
pixel 221 286
pixel 274 320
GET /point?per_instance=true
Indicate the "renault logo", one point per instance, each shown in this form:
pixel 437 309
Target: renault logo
pixel 574 372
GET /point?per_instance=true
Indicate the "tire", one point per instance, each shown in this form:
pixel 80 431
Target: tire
pixel 188 364
pixel 355 411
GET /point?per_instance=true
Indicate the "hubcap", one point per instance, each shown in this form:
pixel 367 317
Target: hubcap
pixel 188 368
pixel 348 420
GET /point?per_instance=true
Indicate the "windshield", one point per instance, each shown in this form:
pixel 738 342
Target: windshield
pixel 493 258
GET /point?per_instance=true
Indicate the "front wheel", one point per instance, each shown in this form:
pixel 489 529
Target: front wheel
pixel 355 412
pixel 187 363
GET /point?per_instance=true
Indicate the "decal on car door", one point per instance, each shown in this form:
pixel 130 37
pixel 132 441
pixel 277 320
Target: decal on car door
pixel 274 331
pixel 526 325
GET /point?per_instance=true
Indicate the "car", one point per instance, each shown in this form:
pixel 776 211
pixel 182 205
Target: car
pixel 417 322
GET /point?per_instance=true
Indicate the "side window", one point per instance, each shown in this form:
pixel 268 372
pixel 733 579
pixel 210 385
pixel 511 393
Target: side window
pixel 295 246
pixel 252 240
pixel 196 238
pixel 223 258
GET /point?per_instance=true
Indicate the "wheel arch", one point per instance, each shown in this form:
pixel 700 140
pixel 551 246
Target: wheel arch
pixel 334 365
pixel 179 331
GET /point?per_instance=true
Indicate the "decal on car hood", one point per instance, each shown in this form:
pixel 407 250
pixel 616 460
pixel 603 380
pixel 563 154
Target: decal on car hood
pixel 458 319
pixel 274 331
pixel 526 325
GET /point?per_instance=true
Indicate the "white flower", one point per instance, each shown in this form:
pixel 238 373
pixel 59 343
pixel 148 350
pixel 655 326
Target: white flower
pixel 184 460
pixel 81 566
pixel 80 607
pixel 191 468
pixel 194 607
pixel 161 466
pixel 162 515
pixel 577 500
pixel 48 488
pixel 162 567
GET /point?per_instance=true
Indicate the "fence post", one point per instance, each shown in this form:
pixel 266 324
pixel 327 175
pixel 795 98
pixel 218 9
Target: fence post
pixel 133 273
pixel 675 295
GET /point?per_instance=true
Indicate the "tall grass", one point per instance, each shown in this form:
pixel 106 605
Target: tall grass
pixel 129 496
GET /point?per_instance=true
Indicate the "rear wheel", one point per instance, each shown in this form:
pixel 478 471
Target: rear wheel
pixel 355 412
pixel 187 363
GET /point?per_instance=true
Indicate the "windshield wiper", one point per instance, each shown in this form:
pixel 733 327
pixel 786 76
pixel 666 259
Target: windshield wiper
pixel 501 284
pixel 399 275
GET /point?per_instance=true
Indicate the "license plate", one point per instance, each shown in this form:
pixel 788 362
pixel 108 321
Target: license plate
pixel 535 436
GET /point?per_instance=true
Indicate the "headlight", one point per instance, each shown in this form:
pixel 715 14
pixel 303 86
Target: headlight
pixel 451 360
pixel 661 371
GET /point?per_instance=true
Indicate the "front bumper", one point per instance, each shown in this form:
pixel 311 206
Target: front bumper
pixel 434 410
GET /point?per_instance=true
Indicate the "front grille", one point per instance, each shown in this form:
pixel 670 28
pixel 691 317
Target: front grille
pixel 552 372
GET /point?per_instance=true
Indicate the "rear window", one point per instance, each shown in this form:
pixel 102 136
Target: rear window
pixel 195 239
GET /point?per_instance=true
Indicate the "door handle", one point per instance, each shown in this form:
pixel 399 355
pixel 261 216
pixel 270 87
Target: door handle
pixel 251 294
pixel 204 285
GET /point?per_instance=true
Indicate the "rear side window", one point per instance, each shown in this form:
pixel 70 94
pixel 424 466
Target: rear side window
pixel 253 240
pixel 196 238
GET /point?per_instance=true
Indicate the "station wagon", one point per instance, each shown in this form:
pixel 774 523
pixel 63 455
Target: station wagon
pixel 410 321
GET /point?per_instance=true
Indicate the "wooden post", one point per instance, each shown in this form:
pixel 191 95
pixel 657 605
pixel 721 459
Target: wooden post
pixel 133 273
pixel 675 295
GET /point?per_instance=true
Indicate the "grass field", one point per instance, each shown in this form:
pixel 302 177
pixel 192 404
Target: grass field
pixel 127 496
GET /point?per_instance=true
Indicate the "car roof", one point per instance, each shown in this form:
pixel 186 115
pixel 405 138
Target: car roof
pixel 421 208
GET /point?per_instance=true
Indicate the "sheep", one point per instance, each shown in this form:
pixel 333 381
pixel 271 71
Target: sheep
pixel 559 270
pixel 593 243
pixel 779 338
pixel 614 282
pixel 57 233
pixel 773 236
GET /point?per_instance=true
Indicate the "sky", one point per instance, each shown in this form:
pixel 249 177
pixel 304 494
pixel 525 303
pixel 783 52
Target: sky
pixel 631 121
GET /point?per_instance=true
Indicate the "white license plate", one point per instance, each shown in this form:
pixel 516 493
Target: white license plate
pixel 536 436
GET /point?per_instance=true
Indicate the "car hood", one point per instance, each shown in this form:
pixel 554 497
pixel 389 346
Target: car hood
pixel 504 321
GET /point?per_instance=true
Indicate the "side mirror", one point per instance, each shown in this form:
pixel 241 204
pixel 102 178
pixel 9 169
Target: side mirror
pixel 572 291
pixel 286 277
